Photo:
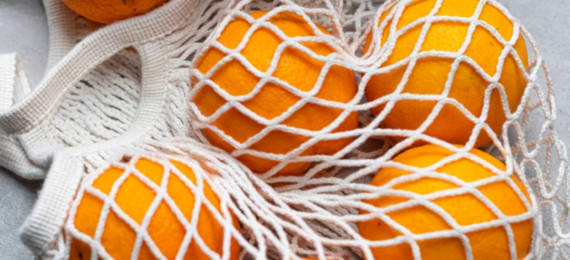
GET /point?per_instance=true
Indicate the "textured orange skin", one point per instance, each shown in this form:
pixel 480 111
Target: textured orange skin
pixel 108 11
pixel 134 198
pixel 296 68
pixel 489 243
pixel 430 74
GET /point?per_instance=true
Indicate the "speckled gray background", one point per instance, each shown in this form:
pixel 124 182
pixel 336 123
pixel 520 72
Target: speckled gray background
pixel 23 30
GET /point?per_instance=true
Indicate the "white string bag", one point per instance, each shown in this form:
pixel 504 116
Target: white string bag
pixel 520 149
pixel 312 215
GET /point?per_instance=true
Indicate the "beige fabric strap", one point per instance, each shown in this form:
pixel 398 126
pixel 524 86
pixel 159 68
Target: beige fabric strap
pixel 13 82
pixel 48 216
pixel 92 51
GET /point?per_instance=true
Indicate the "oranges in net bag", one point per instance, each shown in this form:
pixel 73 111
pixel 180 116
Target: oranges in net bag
pixel 463 197
pixel 332 100
pixel 150 207
pixel 108 11
pixel 268 86
pixel 448 65
pixel 456 74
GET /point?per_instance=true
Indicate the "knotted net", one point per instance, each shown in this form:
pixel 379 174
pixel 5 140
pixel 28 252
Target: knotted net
pixel 318 213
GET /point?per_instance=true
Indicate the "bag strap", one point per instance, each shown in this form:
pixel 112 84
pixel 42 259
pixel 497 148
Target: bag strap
pixel 62 26
pixel 92 51
pixel 13 82
pixel 44 224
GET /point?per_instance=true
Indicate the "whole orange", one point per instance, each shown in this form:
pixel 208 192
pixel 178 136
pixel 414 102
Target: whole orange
pixel 294 67
pixel 108 11
pixel 430 74
pixel 465 209
pixel 134 198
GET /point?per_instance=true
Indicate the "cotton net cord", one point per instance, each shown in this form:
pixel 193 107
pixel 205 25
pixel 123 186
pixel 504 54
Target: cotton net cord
pixel 368 65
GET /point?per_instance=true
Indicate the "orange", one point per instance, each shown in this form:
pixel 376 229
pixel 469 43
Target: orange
pixel 465 209
pixel 108 11
pixel 294 67
pixel 134 198
pixel 430 74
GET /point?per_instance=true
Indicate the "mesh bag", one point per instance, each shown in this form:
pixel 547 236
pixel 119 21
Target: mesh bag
pixel 298 199
pixel 179 206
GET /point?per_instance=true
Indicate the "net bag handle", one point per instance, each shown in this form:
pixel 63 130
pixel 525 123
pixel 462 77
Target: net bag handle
pixel 143 33
pixel 13 82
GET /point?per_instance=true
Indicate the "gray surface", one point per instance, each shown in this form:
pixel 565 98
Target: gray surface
pixel 23 29
pixel 549 23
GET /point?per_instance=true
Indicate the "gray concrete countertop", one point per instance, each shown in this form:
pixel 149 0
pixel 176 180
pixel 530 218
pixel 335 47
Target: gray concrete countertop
pixel 23 30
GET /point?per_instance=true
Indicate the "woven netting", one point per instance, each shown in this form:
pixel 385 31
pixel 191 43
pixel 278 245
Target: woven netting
pixel 318 213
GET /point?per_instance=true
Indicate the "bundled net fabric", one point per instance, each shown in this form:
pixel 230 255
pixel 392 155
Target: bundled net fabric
pixel 315 164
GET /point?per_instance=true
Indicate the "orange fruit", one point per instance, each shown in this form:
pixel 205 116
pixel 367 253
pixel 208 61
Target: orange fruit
pixel 465 209
pixel 430 74
pixel 134 197
pixel 108 11
pixel 296 68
